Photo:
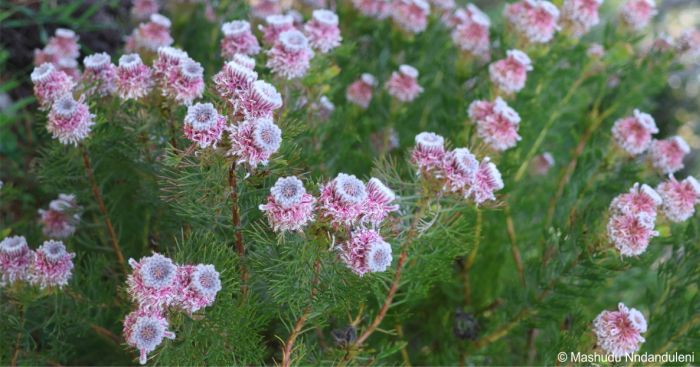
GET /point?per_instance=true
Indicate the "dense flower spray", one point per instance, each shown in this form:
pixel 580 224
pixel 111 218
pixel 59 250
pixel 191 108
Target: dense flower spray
pixel 667 155
pixel 428 152
pixel 632 220
pixel 261 100
pixel 198 286
pixel 471 32
pixel 637 13
pixel 234 82
pixel 579 16
pixel 619 332
pixel 366 252
pixel 50 84
pixel 291 55
pixel 61 217
pixel 150 36
pixel 152 283
pixel 143 9
pixel 410 15
pixel 69 120
pixel 187 83
pixel 360 91
pixel 380 202
pixel 342 200
pixel 253 141
pixel 535 20
pixel 496 123
pixel 15 260
pixel 403 84
pixel 145 331
pixel 238 39
pixel 134 79
pixel 509 74
pixel 204 125
pixel 679 198
pixel 52 265
pixel 379 9
pixel 289 207
pixel 633 133
pixel 100 74
pixel 275 25
pixel 322 30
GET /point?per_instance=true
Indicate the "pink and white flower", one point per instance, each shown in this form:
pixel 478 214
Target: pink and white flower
pixel 145 330
pixel 633 133
pixel 238 39
pixel 204 125
pixel 234 82
pixel 619 332
pixel 187 84
pixel 360 91
pixel 510 74
pixel 322 30
pixel 199 285
pixel 667 155
pixel 50 84
pixel 291 55
pixel 542 163
pixel 410 15
pixel 61 217
pixel 52 265
pixel 535 20
pixel 261 100
pixel 343 200
pixel 253 141
pixel 69 120
pixel 638 13
pixel 151 36
pixel 378 9
pixel 429 152
pixel 459 168
pixel 688 43
pixel 679 198
pixel 579 16
pixel 486 182
pixel 167 63
pixel 631 232
pixel 100 75
pixel 276 25
pixel 64 44
pixel 143 9
pixel 403 84
pixel 471 32
pixel 153 282
pixel 134 79
pixel 496 123
pixel 641 199
pixel 15 260
pixel 379 202
pixel 366 252
pixel 289 207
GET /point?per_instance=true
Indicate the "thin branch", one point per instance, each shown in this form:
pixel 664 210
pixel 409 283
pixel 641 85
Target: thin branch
pixel 472 258
pixel 103 210
pixel 236 222
pixel 514 245
pixel 289 345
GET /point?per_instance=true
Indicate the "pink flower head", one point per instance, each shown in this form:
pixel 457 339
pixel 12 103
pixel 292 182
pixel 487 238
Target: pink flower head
pixel 187 84
pixel 152 35
pixel 342 200
pixel 238 39
pixel 471 32
pixel 262 9
pixel 667 155
pixel 360 91
pixel 496 123
pixel 542 163
pixel 61 217
pixel 639 200
pixel 288 207
pixel 688 43
pixel 68 66
pixel 15 259
pixel 244 60
pixel 234 81
pixel 69 120
pixel 100 75
pixel 637 13
pixel 64 44
pixel 536 20
pixel 366 252
pixel 134 79
pixel 631 232
pixel 595 51
pixel 204 125
pixel 153 282
pixel 679 198
pixel 145 330
pixel 411 15
pixel 52 265
pixel 486 181
pixel 459 168
pixel 579 16
pixel 167 63
pixel 291 55
pixel 378 9
pixel 322 30
pixel 633 133
pixel 261 100
pixel 276 25
pixel 50 84
pixel 510 74
pixel 143 9
pixel 403 84
pixel 199 285
pixel 428 152
pixel 254 141
pixel 46 55
pixel 379 202
pixel 619 332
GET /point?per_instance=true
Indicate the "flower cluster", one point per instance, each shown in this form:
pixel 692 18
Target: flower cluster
pixel 204 125
pixel 150 36
pixel 579 16
pixel 509 74
pixel 378 9
pixel 322 30
pixel 289 207
pixel 61 217
pixel 50 84
pixel 458 171
pixel 142 9
pixel 178 76
pixel 403 84
pixel 100 75
pixel 360 91
pixel 619 332
pixel 667 155
pixel 49 266
pixel 535 20
pixel 679 198
pixel 633 133
pixel 470 31
pixel 238 39
pixel 69 120
pixel 496 123
pixel 637 13
pixel 156 284
pixel 410 15
pixel 632 219
pixel 134 79
pixel 62 50
pixel 291 55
